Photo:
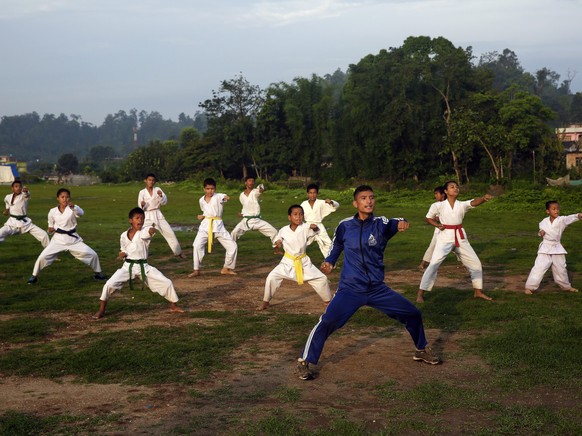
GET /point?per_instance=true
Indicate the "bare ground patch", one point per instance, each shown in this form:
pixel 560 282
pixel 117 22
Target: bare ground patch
pixel 356 365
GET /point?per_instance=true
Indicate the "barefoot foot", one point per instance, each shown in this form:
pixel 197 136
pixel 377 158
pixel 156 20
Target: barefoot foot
pixel 194 273
pixel 99 315
pixel 528 292
pixel 479 294
pixel 174 308
pixel 420 296
pixel 264 306
pixel 228 272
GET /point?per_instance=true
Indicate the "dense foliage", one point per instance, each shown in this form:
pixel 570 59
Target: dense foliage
pixel 409 113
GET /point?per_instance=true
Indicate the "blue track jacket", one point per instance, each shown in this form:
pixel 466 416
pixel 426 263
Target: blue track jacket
pixel 363 244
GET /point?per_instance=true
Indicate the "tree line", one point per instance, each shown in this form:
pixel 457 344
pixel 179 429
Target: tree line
pixel 413 112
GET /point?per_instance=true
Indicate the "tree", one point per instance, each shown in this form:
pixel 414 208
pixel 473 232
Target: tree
pixel 68 164
pixel 576 108
pixel 231 114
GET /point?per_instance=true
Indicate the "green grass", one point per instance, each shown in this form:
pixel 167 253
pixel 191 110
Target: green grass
pixel 527 345
pixel 13 423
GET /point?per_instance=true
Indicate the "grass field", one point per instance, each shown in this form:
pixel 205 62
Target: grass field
pixel 511 366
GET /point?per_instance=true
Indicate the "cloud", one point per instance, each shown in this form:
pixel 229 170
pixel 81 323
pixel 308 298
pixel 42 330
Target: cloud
pixel 288 12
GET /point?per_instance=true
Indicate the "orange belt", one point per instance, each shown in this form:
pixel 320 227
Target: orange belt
pixel 458 227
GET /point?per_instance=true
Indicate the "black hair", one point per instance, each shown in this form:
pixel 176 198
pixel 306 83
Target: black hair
pixel 15 182
pixel 209 181
pixel 150 175
pixel 549 203
pixel 362 188
pixel 446 184
pixel 313 186
pixel 60 191
pixel 249 177
pixel 135 211
pixel 440 190
pixel 294 206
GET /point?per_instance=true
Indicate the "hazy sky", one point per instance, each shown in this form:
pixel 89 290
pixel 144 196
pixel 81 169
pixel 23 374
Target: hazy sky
pixel 95 57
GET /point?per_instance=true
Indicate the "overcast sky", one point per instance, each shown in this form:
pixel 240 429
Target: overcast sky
pixel 95 57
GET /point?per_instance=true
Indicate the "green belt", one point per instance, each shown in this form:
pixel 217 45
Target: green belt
pixel 250 217
pixel 19 217
pixel 141 263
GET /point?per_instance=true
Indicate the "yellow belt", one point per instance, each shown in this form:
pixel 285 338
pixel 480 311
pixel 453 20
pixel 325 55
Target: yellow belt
pixel 298 264
pixel 211 219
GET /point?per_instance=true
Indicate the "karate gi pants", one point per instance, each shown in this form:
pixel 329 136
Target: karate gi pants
pixel 156 281
pixel 311 275
pixel 254 224
pixel 31 228
pixel 323 240
pixel 201 241
pixel 543 262
pixel 164 228
pixel 79 250
pixel 465 254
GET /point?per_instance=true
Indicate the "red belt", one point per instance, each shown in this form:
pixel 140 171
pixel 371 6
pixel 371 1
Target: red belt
pixel 458 227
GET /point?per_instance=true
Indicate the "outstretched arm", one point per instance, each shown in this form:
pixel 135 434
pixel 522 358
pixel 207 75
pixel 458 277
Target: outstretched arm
pixel 481 200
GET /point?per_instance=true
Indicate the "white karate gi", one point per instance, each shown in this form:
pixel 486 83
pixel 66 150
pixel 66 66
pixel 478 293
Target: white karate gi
pixel 551 253
pixel 251 212
pixel 446 243
pixel 137 249
pixel 60 242
pixel 153 215
pixel 19 223
pixel 213 209
pixel 295 244
pixel 428 253
pixel 315 215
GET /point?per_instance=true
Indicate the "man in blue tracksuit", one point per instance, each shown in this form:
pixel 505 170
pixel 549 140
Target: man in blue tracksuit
pixel 363 239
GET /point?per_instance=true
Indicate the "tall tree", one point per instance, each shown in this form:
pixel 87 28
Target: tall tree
pixel 231 114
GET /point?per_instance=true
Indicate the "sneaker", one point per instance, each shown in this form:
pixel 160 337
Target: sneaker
pixel 426 356
pixel 100 276
pixel 32 280
pixel 304 371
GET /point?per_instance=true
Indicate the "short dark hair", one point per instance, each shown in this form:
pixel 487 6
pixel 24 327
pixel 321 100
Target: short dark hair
pixel 150 175
pixel 135 211
pixel 60 191
pixel 313 186
pixel 16 182
pixel 446 184
pixel 440 190
pixel 294 206
pixel 249 177
pixel 209 181
pixel 549 203
pixel 362 188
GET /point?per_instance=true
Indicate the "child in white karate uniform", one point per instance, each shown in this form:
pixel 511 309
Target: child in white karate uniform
pixel 150 199
pixel 18 222
pixel 551 252
pixel 134 245
pixel 296 265
pixel 452 238
pixel 315 211
pixel 62 223
pixel 251 212
pixel 439 195
pixel 212 204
